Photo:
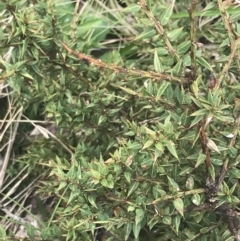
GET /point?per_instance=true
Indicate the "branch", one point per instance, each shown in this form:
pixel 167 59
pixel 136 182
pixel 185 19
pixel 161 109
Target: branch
pixel 117 69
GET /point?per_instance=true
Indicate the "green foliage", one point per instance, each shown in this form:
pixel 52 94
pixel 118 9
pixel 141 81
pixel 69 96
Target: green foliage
pixel 148 156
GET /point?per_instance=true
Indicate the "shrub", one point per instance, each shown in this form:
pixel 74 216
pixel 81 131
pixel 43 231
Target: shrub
pixel 147 134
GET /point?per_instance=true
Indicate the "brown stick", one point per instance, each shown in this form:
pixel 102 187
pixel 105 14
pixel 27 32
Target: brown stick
pixel 117 69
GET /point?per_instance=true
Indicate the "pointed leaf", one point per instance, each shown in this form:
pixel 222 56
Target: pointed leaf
pixel 199 112
pixel 91 199
pixel 183 47
pixel 132 8
pixel 128 176
pixel 172 149
pixel 204 63
pixel 132 188
pixel 157 64
pixel 178 204
pixel 148 144
pixel 177 69
pixel 95 174
pixel 176 222
pixel 136 229
pixel 165 16
pixel 139 215
pixel 129 91
pixel 201 158
pixel 211 145
pixel 146 34
pixel 174 34
pixel 128 230
pixel 173 186
pixel 196 120
pixel 161 89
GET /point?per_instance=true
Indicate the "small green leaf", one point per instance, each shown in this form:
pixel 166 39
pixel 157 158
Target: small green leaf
pixel 146 34
pixel 200 112
pixel 201 158
pixel 132 8
pixel 194 86
pixel 129 91
pixel 104 182
pixel 6 64
pixel 128 230
pixel 178 204
pixel 167 220
pixel 102 119
pixel 132 188
pixel 8 73
pixel 136 229
pixel 196 120
pixel 129 133
pixel 204 63
pixel 166 15
pixel 139 215
pixel 234 173
pixel 160 147
pixel 148 144
pixel 161 89
pixel 208 7
pixel 173 186
pixel 186 170
pixel 162 51
pixel 146 21
pixel 62 185
pixel 103 169
pixel 183 47
pixel 135 146
pixel 131 208
pixel 72 197
pixel 157 64
pixel 88 25
pixel 95 174
pixel 196 199
pixel 174 34
pixel 91 199
pixel 176 222
pixel 224 43
pixel 177 69
pixel 205 230
pixel 172 149
pixel 152 134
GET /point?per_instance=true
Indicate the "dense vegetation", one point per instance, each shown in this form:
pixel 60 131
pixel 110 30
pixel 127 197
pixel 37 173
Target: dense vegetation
pixel 120 120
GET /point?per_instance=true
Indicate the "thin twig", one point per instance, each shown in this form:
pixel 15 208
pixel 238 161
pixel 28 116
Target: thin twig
pixel 117 69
